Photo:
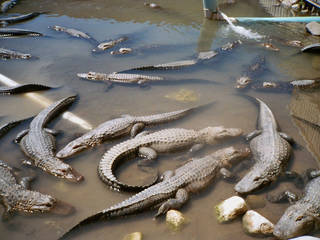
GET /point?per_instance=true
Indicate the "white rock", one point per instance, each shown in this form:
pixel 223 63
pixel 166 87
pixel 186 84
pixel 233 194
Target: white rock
pixel 133 236
pixel 313 28
pixel 305 238
pixel 175 219
pixel 230 208
pixel 254 223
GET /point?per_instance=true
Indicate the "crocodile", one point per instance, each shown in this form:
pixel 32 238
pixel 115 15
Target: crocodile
pixel 38 143
pixel 16 19
pixel 149 145
pixel 23 88
pixel 270 149
pixel 16 32
pixel 10 54
pixel 74 33
pixel 174 189
pixel 303 216
pixel 109 44
pixel 16 196
pixel 118 127
pixel 256 67
pixel 6 5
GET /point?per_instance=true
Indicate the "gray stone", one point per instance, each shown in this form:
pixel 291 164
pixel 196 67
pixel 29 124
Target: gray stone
pixel 313 28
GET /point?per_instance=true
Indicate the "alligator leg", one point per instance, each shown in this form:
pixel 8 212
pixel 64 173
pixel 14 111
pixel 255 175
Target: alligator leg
pixel 143 133
pixel 298 180
pixel 52 131
pixel 287 137
pixel 312 173
pixel 286 195
pixel 181 198
pixel 136 128
pixel 226 174
pixel 166 175
pixel 21 135
pixel 25 181
pixel 148 154
pixel 7 212
pixel 253 134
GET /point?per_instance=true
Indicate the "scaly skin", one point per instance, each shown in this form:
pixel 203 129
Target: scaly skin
pixel 303 216
pixel 167 140
pixel 15 197
pixel 174 189
pixel 38 144
pixel 20 18
pixel 270 151
pixel 15 32
pixel 116 128
pixel 10 54
pixel 23 88
pixel 7 126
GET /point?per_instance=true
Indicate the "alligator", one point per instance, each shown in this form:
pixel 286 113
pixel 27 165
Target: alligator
pixel 16 32
pixel 174 189
pixel 118 127
pixel 10 54
pixel 7 126
pixel 75 33
pixel 256 67
pixel 23 88
pixel 16 196
pixel 270 149
pixel 148 145
pixel 109 44
pixel 303 216
pixel 16 19
pixel 6 5
pixel 38 143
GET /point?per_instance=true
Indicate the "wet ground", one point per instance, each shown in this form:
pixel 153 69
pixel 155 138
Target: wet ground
pixel 179 32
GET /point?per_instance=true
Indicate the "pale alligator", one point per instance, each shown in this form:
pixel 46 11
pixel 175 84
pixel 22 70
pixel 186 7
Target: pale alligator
pixel 271 152
pixel 118 127
pixel 16 32
pixel 38 143
pixel 16 19
pixel 174 189
pixel 303 216
pixel 6 5
pixel 149 145
pixel 16 196
pixel 10 54
pixel 23 88
pixel 109 44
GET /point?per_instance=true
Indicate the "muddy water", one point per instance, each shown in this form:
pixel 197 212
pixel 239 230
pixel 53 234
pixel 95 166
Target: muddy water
pixel 179 31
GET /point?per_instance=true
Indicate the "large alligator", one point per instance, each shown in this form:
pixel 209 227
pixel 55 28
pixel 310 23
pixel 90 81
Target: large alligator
pixel 174 189
pixel 16 32
pixel 38 143
pixel 303 216
pixel 16 196
pixel 10 54
pixel 118 127
pixel 16 19
pixel 149 145
pixel 23 88
pixel 271 152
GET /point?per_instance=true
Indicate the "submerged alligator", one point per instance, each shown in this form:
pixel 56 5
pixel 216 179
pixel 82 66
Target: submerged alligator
pixel 16 196
pixel 174 189
pixel 271 152
pixel 16 32
pixel 38 143
pixel 303 216
pixel 10 54
pixel 118 127
pixel 148 145
pixel 16 19
pixel 109 44
pixel 23 88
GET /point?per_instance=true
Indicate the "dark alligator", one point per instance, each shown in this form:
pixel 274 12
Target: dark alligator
pixel 303 216
pixel 271 152
pixel 23 88
pixel 118 127
pixel 38 143
pixel 109 44
pixel 149 145
pixel 16 19
pixel 6 5
pixel 256 67
pixel 16 196
pixel 10 54
pixel 16 32
pixel 174 189
pixel 75 33
pixel 7 126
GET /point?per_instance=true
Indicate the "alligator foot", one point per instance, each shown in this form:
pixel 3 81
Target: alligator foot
pixel 229 176
pixel 283 197
pixel 297 179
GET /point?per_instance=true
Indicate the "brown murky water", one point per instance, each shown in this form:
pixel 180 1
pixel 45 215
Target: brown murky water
pixel 180 31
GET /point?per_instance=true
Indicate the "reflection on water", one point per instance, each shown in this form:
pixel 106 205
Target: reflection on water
pixel 181 32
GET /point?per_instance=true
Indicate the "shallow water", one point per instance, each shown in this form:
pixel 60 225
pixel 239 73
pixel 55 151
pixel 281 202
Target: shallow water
pixel 180 32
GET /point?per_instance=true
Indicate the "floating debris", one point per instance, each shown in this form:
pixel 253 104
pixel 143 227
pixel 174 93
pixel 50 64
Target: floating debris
pixel 183 95
pixel 175 220
pixel 270 47
pixel 254 223
pixel 230 208
pixel 133 236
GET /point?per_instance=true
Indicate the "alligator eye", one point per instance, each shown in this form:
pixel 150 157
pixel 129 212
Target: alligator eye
pixel 299 218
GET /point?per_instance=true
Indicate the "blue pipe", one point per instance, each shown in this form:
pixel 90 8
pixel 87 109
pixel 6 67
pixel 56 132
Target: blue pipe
pixel 277 19
pixel 210 7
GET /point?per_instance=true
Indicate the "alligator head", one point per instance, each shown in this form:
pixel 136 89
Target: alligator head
pixel 296 221
pixel 63 170
pixel 232 155
pixel 35 202
pixel 92 76
pixel 243 82
pixel 73 147
pixel 214 134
